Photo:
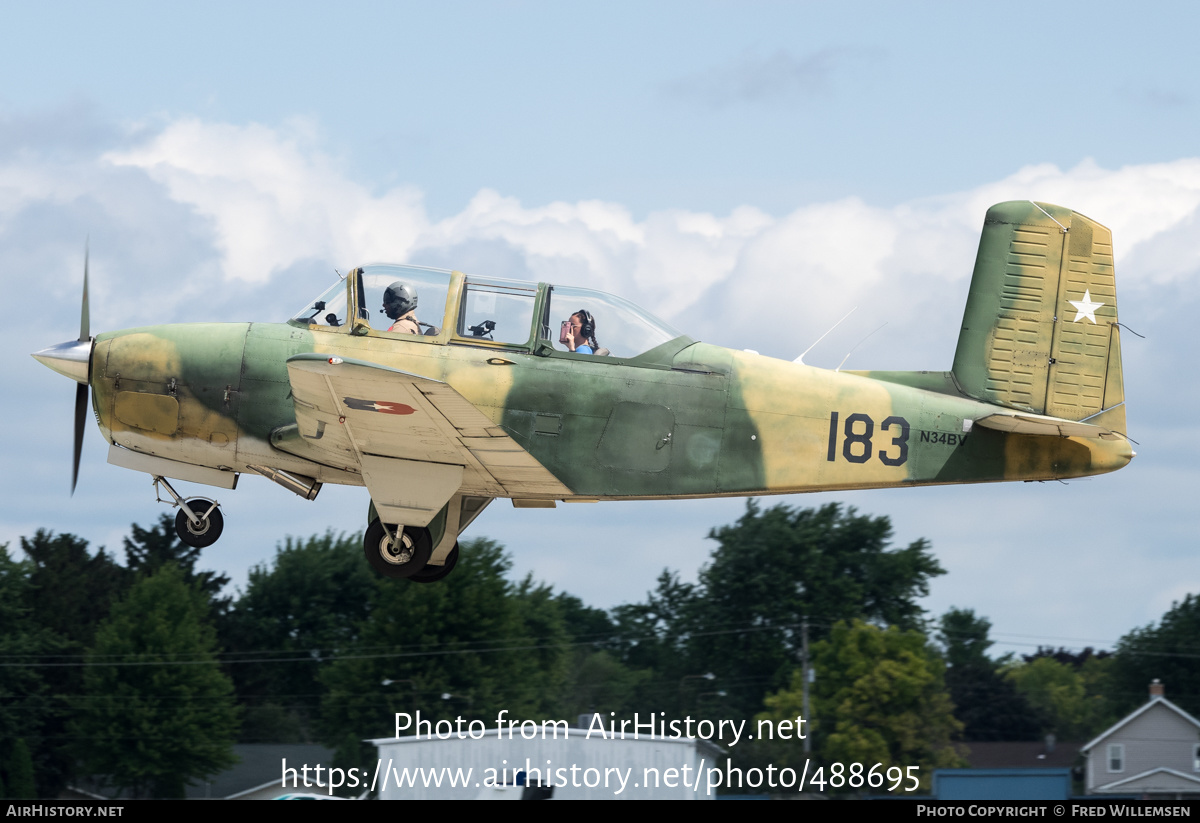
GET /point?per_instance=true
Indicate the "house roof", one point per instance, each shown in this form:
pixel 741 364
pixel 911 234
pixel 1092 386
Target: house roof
pixel 1021 755
pixel 259 765
pixel 1128 782
pixel 1157 700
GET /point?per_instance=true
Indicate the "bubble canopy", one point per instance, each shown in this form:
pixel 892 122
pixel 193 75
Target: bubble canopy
pixel 621 328
pixel 441 305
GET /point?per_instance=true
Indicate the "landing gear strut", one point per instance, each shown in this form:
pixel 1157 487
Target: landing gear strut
pixel 397 551
pixel 199 522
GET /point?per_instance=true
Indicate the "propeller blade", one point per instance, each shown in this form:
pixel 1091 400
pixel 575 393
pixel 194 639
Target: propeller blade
pixel 85 314
pixel 81 403
pixel 81 390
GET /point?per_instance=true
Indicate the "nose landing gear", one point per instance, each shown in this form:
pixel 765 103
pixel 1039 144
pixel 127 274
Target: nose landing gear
pixel 199 522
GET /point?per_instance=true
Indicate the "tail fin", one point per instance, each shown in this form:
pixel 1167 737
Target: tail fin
pixel 1040 328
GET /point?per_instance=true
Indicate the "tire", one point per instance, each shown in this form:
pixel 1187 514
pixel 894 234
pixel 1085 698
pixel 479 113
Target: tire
pixel 417 546
pixel 210 527
pixel 432 574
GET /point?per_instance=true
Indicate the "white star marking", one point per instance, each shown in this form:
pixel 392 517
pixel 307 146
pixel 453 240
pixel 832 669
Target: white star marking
pixel 1085 307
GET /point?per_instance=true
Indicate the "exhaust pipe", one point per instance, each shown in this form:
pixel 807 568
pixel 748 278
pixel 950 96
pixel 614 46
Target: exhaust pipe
pixel 306 487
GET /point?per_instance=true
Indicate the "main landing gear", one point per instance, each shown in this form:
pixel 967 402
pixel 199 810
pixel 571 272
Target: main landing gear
pixel 403 552
pixel 398 551
pixel 199 522
pixel 420 554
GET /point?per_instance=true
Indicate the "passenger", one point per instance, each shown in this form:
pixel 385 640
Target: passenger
pixel 400 305
pixel 579 333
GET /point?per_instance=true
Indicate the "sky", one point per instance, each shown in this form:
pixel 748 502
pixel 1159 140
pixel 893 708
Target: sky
pixel 749 172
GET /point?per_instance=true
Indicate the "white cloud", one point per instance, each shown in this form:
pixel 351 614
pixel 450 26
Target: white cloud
pixel 273 199
pixel 747 278
pixel 197 220
pixel 194 203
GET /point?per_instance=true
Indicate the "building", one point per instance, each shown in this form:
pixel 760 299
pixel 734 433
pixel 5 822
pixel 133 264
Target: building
pixel 580 763
pixel 1153 753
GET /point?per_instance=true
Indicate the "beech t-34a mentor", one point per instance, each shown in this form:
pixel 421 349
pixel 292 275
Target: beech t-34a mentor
pixel 441 391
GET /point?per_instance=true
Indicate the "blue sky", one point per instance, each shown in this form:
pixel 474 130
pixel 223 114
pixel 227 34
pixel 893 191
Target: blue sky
pixel 748 171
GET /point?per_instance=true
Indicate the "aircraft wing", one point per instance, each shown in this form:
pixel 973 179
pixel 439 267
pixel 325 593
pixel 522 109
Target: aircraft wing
pixel 1027 423
pixel 416 440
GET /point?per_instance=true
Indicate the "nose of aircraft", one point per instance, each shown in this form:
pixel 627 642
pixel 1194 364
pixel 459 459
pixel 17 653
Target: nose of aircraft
pixel 70 359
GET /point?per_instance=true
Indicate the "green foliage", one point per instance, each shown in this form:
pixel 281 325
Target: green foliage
pixel 965 640
pixel 70 591
pixel 599 682
pixel 149 550
pixel 988 704
pixel 1071 699
pixel 1168 651
pixel 657 637
pixel 157 711
pixel 306 606
pixel 474 637
pixel 879 697
pixel 19 770
pixel 23 698
pixel 29 709
pixel 742 621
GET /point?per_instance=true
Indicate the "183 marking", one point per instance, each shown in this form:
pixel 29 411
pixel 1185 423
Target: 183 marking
pixel 857 445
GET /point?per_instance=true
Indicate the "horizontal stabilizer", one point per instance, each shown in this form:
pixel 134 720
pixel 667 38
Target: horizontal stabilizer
pixel 1040 424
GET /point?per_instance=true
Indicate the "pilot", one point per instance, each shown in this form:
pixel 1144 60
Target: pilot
pixel 579 335
pixel 400 304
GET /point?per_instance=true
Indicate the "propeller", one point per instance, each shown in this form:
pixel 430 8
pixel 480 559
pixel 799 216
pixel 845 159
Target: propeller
pixel 81 389
pixel 73 359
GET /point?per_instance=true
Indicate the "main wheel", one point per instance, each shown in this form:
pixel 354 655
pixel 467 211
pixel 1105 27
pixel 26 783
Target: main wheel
pixel 397 558
pixel 211 524
pixel 432 574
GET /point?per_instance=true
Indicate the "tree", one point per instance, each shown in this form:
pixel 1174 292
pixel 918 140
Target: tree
pixel 157 712
pixel 1168 651
pixel 656 637
pixel 776 566
pixel 70 590
pixel 986 702
pixel 1063 655
pixel 20 771
pixel 148 550
pixel 597 680
pixel 879 697
pixel 29 713
pixel 1072 699
pixel 471 645
pixel 308 604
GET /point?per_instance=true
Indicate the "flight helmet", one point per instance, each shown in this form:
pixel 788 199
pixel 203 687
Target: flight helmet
pixel 399 299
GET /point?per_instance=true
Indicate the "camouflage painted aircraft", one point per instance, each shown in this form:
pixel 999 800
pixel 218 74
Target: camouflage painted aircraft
pixel 441 391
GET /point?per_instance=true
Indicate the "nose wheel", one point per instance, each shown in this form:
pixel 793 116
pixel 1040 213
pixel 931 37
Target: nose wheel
pixel 204 533
pixel 198 522
pixel 399 551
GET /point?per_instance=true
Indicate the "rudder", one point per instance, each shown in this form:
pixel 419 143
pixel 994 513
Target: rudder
pixel 1040 328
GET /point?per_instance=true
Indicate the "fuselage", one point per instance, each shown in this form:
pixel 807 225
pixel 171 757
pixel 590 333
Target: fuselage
pixel 686 419
pixel 441 391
